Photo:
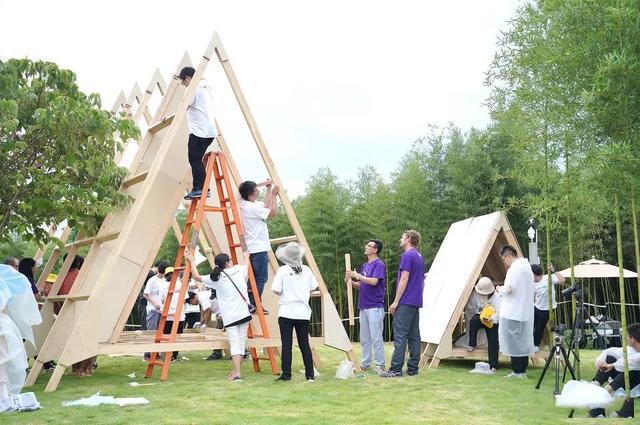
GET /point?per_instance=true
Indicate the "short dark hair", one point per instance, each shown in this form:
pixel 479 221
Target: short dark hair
pixel 246 188
pixel 187 71
pixel 633 331
pixel 508 250
pixel 162 266
pixel 536 269
pixel 378 245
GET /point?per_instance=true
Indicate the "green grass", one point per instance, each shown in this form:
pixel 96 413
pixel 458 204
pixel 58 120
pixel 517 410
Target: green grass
pixel 198 393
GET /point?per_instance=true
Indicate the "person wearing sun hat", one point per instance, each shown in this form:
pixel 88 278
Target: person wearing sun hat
pixel 483 312
pixel 294 282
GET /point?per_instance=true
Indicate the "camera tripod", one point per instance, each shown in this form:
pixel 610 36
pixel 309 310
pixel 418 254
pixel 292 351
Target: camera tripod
pixel 558 353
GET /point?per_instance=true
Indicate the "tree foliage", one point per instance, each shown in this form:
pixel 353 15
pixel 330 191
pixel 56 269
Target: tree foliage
pixel 57 147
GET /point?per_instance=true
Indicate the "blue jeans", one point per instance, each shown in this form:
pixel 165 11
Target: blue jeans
pixel 260 266
pixel 406 331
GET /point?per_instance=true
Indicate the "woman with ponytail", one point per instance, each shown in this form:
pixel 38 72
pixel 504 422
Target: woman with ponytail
pixel 230 284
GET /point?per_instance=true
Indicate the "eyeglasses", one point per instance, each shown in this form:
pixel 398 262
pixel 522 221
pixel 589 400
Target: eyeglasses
pixel 370 245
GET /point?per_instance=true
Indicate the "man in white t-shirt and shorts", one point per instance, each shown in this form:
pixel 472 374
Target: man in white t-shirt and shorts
pixel 201 129
pixel 541 300
pixel 254 215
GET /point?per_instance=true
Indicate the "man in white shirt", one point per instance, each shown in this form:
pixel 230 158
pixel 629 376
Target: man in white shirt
pixel 541 303
pixel 254 215
pixel 610 370
pixel 201 129
pixel 515 333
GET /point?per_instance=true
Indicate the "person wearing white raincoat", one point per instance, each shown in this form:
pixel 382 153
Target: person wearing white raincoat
pixel 18 313
pixel 515 333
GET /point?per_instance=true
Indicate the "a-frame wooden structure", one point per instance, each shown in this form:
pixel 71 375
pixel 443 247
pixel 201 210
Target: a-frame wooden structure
pixel 469 251
pixel 135 106
pixel 94 313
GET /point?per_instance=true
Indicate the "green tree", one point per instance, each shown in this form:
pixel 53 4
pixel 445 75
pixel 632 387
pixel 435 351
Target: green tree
pixel 58 147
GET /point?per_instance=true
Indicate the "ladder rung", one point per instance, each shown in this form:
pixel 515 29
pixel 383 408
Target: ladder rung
pixel 135 179
pixel 162 124
pixel 232 222
pixel 280 241
pixel 235 245
pixel 216 209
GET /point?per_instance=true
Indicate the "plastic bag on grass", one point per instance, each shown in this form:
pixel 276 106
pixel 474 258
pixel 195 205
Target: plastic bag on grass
pixel 345 370
pixel 97 399
pixel 581 394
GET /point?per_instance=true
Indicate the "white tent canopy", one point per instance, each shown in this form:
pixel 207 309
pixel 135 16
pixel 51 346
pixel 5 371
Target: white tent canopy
pixel 594 269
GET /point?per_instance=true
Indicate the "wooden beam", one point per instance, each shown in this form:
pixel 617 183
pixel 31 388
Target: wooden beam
pixel 283 240
pixel 164 123
pixel 347 281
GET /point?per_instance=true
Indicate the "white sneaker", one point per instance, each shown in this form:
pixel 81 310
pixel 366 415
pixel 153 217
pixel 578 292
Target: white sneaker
pixel 516 375
pixel 378 370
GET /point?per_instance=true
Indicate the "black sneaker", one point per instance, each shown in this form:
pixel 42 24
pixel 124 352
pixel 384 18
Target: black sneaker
pixel 216 355
pixel 194 194
pixel 391 374
pixel 626 411
pixel 597 413
pixel 283 378
pixel 412 372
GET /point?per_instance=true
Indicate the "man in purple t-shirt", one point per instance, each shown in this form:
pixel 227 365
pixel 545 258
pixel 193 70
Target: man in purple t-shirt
pixel 406 307
pixel 371 281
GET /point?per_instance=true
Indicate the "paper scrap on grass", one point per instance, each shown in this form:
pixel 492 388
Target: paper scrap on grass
pixel 97 399
pixel 581 394
pixel 132 375
pixel 137 384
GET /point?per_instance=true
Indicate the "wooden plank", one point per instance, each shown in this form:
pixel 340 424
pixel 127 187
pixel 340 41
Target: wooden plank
pixel 164 123
pixel 68 297
pixel 138 178
pixel 283 240
pixel 219 343
pixel 347 281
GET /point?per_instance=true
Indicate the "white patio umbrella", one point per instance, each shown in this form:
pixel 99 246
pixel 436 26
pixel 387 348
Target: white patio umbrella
pixel 595 268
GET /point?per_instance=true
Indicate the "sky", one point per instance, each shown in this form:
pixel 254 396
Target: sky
pixel 338 84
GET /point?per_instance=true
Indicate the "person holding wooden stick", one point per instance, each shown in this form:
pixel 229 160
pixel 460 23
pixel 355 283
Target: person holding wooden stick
pixel 541 303
pixel 371 281
pixel 406 307
pixel 610 371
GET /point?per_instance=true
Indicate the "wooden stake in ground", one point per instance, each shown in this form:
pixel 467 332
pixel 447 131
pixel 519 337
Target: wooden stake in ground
pixel 347 281
pixel 623 304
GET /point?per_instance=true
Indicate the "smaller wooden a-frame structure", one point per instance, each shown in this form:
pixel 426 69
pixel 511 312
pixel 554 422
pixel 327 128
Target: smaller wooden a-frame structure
pixel 469 251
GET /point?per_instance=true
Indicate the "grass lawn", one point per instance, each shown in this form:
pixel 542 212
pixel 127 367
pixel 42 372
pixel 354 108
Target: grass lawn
pixel 198 393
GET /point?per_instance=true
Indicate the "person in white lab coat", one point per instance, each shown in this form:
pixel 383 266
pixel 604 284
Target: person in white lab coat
pixel 515 333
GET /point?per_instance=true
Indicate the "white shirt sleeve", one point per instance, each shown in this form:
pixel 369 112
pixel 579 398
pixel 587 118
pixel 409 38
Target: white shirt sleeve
pixel 208 283
pixel 612 351
pixel 147 286
pixel 313 283
pixel 276 285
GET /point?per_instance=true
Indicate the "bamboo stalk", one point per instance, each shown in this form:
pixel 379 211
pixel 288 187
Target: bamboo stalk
pixel 634 214
pixel 623 304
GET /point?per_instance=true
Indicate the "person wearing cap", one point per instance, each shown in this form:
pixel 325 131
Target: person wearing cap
pixel 202 130
pixel 294 282
pixel 515 333
pixel 541 300
pixel 371 282
pixel 48 284
pixel 154 292
pixel 484 300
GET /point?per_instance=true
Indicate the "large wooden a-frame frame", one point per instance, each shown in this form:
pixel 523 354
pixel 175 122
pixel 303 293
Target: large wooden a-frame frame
pixel 93 314
pixel 469 250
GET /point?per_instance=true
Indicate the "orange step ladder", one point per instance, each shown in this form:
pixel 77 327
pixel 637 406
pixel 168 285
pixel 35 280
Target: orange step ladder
pixel 216 166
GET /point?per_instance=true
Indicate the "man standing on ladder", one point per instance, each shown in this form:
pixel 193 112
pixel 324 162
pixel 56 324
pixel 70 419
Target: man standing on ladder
pixel 254 215
pixel 201 129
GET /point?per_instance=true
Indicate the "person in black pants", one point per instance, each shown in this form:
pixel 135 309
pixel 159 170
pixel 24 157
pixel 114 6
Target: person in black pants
pixel 610 365
pixel 294 283
pixel 484 299
pixel 201 129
